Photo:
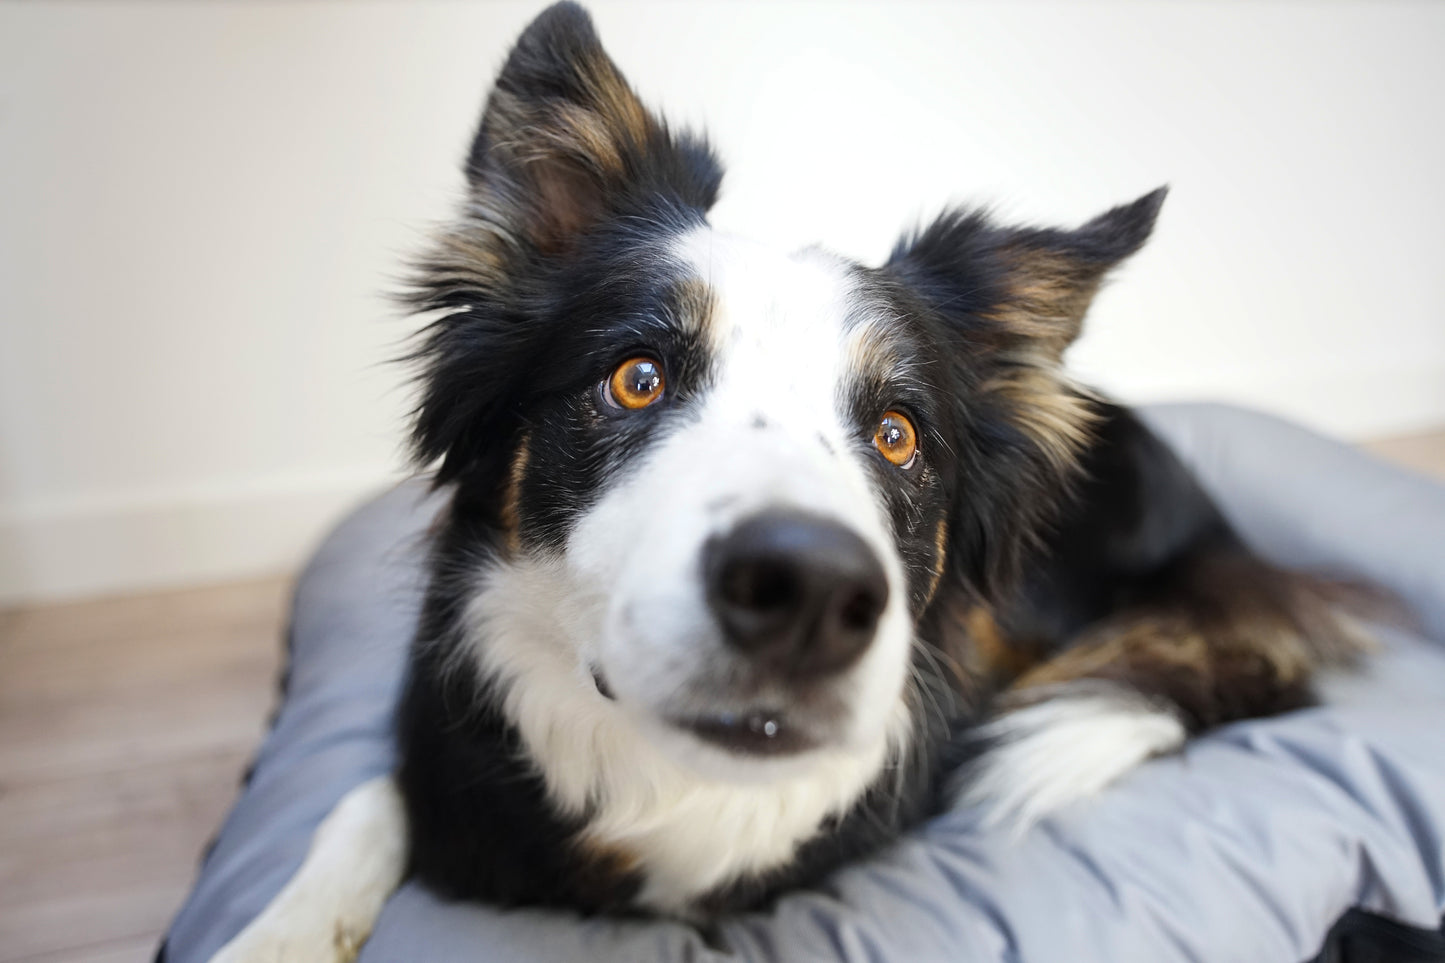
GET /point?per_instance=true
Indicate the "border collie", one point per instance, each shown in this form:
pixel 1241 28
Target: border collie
pixel 753 558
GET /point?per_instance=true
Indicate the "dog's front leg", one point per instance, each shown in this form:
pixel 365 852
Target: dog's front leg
pixel 327 910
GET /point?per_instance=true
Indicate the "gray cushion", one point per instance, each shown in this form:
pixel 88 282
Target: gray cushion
pixel 1247 846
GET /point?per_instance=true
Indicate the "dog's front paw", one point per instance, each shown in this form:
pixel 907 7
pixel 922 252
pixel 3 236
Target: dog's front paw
pixel 1064 748
pixel 296 939
pixel 327 910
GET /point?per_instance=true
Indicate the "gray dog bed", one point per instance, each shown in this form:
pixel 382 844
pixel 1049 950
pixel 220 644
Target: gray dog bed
pixel 1249 846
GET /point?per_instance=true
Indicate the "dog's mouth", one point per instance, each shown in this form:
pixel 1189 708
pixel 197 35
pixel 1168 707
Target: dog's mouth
pixel 754 732
pixel 758 732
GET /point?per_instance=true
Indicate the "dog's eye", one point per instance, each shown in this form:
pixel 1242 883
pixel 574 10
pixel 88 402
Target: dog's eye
pixel 636 383
pixel 896 439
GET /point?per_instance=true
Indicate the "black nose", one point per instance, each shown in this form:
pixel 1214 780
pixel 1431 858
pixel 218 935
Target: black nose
pixel 798 592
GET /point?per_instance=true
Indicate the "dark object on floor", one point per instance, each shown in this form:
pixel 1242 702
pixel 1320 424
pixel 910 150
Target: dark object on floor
pixel 1365 938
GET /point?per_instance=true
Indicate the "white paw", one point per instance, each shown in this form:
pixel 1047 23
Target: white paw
pixel 327 910
pixel 1053 753
pixel 296 939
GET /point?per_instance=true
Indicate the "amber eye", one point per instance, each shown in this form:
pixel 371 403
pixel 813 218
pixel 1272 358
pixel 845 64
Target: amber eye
pixel 636 383
pixel 896 439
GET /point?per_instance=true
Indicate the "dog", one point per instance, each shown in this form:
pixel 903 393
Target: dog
pixel 754 559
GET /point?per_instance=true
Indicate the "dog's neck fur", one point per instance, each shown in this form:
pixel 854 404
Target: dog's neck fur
pixel 687 834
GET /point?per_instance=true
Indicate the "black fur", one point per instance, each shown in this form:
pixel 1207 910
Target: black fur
pixel 1137 509
pixel 481 825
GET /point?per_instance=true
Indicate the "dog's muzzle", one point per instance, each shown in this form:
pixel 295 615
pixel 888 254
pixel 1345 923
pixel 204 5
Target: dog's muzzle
pixel 797 598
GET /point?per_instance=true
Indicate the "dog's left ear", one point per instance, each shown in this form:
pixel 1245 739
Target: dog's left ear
pixel 1052 276
pixel 1009 301
pixel 1034 284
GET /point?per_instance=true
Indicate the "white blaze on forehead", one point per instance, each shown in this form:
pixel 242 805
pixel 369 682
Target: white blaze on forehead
pixel 789 333
pixel 783 329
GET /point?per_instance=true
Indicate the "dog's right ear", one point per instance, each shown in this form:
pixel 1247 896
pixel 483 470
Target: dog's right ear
pixel 564 145
pixel 564 138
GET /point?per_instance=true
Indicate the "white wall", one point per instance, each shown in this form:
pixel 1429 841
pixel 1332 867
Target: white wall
pixel 201 203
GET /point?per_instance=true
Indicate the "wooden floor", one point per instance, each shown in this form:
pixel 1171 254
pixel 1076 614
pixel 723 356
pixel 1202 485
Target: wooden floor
pixel 125 725
pixel 124 728
pixel 1424 451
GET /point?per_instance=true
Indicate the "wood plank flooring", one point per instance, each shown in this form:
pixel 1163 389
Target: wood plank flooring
pixel 125 725
pixel 1422 451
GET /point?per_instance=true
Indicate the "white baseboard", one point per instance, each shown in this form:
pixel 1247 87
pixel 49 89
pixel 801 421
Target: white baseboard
pixel 73 548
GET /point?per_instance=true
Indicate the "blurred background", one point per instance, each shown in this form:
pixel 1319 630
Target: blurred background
pixel 203 205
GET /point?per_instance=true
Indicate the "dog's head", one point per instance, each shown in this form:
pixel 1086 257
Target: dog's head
pixel 749 475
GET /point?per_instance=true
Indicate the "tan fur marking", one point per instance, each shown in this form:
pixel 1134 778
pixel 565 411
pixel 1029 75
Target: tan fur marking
pixel 992 654
pixel 511 499
pixel 1053 412
pixel 580 132
pixel 870 352
pixel 606 858
pixel 1048 295
pixel 940 557
pixel 1247 644
pixel 940 548
pixel 600 868
pixel 346 943
pixel 467 257
pixel 1144 642
pixel 615 101
pixel 598 133
pixel 697 308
